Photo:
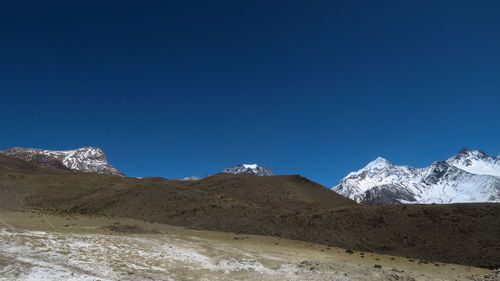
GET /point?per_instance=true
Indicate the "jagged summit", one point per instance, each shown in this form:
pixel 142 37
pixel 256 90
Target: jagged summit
pixel 476 162
pixel 85 159
pixel 469 176
pixel 249 169
pixel 468 153
pixel 378 163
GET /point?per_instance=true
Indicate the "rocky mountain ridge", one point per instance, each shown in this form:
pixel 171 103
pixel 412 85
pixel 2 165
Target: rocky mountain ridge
pixel 254 169
pixel 85 159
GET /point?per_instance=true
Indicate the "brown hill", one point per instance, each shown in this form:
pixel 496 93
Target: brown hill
pixel 286 206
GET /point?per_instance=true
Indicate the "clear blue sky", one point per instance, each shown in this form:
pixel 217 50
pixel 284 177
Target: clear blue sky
pixel 317 88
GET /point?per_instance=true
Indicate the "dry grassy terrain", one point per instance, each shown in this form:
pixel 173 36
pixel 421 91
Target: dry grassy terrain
pixel 40 246
pixel 290 207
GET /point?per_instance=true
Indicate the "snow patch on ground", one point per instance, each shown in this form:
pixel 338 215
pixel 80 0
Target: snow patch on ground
pixel 37 255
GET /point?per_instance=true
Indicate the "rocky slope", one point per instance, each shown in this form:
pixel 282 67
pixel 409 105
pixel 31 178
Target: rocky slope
pixel 249 169
pixel 85 159
pixel 469 176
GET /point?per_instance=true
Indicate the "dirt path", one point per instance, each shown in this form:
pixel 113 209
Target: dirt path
pixel 46 247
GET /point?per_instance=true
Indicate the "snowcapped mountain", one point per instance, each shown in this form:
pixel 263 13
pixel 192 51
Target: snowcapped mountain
pixel 469 176
pixel 191 178
pixel 85 159
pixel 249 169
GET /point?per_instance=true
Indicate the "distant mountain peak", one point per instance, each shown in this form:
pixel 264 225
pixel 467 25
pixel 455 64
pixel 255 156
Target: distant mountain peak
pixel 476 162
pixel 85 159
pixel 374 166
pixel 465 152
pixel 254 169
pixel 378 163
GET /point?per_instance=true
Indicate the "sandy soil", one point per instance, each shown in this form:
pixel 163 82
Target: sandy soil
pixel 38 246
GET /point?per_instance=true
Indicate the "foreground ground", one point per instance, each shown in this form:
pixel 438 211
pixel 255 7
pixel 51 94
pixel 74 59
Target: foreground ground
pixel 36 246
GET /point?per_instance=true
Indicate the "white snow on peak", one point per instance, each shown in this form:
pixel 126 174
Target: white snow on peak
pixel 376 173
pixel 476 162
pixel 191 178
pixel 378 163
pixel 374 166
pixel 85 159
pixel 249 169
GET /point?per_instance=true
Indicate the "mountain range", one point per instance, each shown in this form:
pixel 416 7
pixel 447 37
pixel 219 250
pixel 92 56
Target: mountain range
pixel 93 160
pixel 469 176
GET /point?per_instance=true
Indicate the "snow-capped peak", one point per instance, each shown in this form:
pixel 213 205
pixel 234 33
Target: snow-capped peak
pixel 373 167
pixel 249 169
pixel 476 162
pixel 85 159
pixel 191 178
pixel 469 153
pixel 378 163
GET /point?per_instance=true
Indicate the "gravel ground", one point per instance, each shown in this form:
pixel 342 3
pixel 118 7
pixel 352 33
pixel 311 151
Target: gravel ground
pixel 36 246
